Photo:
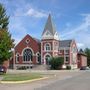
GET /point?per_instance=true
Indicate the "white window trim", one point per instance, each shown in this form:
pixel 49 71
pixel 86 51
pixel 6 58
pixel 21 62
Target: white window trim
pixel 27 41
pixel 16 57
pixel 22 55
pixel 45 57
pixel 67 52
pixel 45 47
pixel 37 57
pixel 28 48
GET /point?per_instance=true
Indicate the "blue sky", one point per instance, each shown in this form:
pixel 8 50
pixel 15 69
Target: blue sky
pixel 71 18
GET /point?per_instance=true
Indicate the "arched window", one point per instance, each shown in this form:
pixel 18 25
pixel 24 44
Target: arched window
pixel 47 58
pixel 38 58
pixel 27 55
pixel 47 47
pixel 17 58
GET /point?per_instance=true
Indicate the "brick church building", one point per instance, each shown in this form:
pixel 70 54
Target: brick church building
pixel 31 51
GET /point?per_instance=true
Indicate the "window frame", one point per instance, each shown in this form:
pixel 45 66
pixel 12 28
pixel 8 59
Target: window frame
pixel 47 47
pixel 17 57
pixel 27 55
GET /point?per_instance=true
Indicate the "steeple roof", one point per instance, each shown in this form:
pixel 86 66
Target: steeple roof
pixel 49 26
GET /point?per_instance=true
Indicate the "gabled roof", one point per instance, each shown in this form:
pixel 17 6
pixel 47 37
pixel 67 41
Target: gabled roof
pixel 65 43
pixel 28 36
pixel 37 40
pixel 49 26
pixel 82 52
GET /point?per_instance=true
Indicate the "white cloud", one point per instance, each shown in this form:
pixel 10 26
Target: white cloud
pixel 87 18
pixel 80 33
pixel 80 45
pixel 36 13
pixel 30 11
pixel 85 24
pixel 17 29
pixel 17 25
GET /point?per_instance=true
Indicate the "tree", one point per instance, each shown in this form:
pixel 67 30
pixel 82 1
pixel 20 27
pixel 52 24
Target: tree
pixel 87 51
pixel 56 62
pixel 6 42
pixel 4 19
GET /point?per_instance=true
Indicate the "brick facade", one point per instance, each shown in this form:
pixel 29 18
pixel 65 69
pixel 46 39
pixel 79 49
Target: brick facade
pixel 82 60
pixel 27 43
pixel 33 51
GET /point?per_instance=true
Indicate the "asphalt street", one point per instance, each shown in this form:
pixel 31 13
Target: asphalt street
pixel 62 80
pixel 80 82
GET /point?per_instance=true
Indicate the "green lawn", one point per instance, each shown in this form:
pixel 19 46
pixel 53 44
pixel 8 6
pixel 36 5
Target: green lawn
pixel 21 77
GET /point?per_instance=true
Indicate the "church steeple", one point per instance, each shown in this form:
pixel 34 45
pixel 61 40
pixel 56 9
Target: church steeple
pixel 49 30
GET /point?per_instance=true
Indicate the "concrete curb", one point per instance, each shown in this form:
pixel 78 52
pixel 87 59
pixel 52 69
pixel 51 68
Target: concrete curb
pixel 20 82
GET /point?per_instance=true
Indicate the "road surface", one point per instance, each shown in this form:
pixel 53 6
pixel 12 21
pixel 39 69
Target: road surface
pixel 80 82
pixel 67 80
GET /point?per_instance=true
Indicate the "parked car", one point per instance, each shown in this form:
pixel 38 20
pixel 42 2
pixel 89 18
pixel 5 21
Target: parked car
pixel 84 68
pixel 87 68
pixel 3 69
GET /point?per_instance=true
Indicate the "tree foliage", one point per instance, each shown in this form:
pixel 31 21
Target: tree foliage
pixel 6 42
pixel 4 19
pixel 87 51
pixel 56 62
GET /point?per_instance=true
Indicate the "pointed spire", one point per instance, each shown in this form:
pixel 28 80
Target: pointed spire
pixel 49 26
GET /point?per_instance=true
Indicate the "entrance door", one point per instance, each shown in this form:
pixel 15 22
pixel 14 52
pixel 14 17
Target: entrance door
pixel 47 58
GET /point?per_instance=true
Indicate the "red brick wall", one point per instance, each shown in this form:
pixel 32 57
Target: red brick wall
pixel 33 44
pixel 82 60
pixel 52 52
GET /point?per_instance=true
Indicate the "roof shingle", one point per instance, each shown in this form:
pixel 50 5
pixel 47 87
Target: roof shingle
pixel 49 26
pixel 65 43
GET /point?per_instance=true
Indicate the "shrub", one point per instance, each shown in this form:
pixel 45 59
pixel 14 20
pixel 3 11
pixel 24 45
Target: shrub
pixel 56 63
pixel 68 67
pixel 22 68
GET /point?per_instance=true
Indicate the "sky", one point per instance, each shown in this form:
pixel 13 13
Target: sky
pixel 71 18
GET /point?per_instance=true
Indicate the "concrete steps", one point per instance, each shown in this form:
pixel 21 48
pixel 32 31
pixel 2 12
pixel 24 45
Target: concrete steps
pixel 40 67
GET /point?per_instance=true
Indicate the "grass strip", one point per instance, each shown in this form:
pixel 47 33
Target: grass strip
pixel 21 77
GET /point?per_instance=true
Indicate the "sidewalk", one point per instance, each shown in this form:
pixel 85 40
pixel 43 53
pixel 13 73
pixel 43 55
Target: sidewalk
pixel 1 78
pixel 39 71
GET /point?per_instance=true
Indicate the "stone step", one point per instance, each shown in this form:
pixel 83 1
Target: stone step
pixel 40 67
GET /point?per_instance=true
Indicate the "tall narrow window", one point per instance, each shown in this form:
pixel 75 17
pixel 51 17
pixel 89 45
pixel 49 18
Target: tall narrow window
pixel 38 58
pixel 47 47
pixel 66 51
pixel 67 59
pixel 17 58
